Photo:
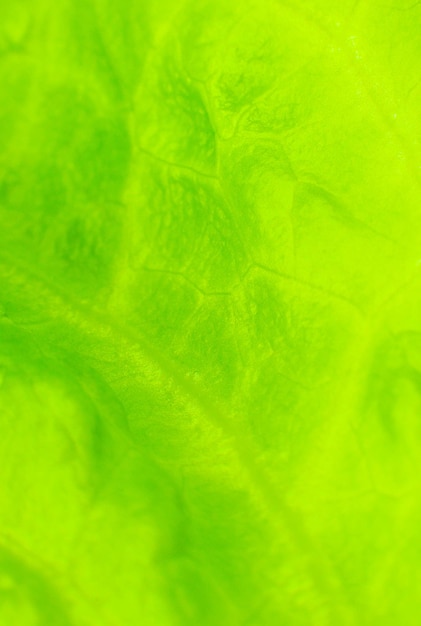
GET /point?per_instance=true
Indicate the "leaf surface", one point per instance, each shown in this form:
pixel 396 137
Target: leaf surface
pixel 210 354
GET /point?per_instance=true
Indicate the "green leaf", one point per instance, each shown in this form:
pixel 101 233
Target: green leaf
pixel 210 327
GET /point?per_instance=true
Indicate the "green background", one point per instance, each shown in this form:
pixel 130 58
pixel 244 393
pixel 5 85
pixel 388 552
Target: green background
pixel 210 318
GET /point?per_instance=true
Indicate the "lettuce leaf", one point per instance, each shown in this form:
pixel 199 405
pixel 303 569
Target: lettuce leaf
pixel 210 322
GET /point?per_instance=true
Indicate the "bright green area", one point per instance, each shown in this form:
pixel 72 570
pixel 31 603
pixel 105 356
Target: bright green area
pixel 210 330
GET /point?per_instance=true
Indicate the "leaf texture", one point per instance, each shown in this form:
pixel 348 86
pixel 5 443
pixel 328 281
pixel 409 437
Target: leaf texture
pixel 210 313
